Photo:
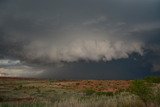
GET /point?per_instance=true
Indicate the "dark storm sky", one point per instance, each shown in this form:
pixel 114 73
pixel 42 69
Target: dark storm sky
pixel 80 39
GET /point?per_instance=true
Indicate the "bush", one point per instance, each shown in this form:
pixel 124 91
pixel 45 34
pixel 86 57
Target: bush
pixel 89 92
pixel 18 87
pixel 156 97
pixel 3 98
pixel 152 79
pixel 138 87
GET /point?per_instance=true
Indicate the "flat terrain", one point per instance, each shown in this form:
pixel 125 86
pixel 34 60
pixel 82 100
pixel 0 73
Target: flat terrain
pixel 30 92
pixel 23 89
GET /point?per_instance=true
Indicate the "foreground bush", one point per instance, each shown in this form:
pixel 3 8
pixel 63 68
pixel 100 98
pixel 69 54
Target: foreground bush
pixel 89 92
pixel 152 79
pixel 141 89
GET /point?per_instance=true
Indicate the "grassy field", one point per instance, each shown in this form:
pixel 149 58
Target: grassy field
pixel 23 92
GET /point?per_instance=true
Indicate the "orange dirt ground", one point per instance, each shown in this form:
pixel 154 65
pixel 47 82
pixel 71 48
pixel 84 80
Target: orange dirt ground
pixel 79 85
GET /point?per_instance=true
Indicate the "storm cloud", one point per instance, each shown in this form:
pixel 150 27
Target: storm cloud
pixel 49 33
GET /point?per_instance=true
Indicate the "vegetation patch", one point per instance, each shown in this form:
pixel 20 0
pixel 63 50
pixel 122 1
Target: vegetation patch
pixel 104 93
pixel 89 91
pixel 95 93
pixel 152 79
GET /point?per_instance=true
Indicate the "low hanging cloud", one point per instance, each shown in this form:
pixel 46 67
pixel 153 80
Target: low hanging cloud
pixel 20 71
pixel 42 34
pixel 8 62
pixel 15 68
pixel 92 50
pixel 58 32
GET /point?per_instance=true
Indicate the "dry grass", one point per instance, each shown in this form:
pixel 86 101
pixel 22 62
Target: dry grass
pixel 23 92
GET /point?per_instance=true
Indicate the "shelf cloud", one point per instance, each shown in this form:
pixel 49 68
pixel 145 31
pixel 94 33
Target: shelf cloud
pixel 93 50
pixel 49 33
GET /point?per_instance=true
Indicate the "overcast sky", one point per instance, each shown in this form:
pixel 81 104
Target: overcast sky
pixel 80 39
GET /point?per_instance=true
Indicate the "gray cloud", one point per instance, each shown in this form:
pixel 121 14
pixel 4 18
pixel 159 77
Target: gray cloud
pixel 95 21
pixel 15 68
pixel 53 28
pixel 20 71
pixel 156 67
pixel 49 32
pixel 94 50
pixel 7 62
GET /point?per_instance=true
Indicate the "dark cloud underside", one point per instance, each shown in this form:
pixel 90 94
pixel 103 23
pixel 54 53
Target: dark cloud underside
pixel 88 39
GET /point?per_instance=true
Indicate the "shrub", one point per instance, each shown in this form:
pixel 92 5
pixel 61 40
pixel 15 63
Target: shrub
pixel 138 87
pixel 152 79
pixel 18 87
pixel 156 97
pixel 89 91
pixel 3 98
